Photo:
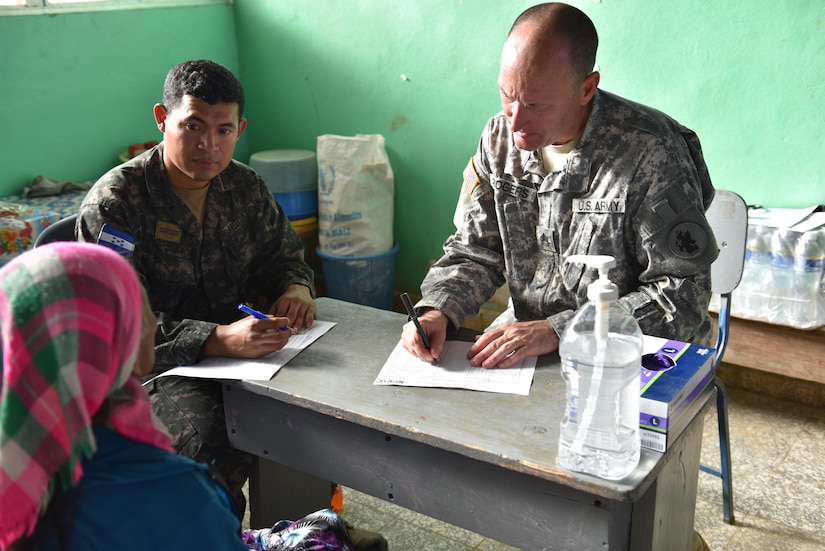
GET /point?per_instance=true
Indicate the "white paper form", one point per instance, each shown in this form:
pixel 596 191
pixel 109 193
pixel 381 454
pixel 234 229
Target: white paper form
pixel 455 371
pixel 259 369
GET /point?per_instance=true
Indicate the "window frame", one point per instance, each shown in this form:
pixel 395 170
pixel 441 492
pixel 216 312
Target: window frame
pixel 41 7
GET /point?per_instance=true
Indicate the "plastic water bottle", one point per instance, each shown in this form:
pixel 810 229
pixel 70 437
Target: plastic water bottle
pixel 600 351
pixel 753 301
pixel 781 287
pixel 807 277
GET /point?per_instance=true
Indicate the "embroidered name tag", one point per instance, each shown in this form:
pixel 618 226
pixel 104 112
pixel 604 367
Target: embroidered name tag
pixel 516 189
pixel 599 205
pixel 167 231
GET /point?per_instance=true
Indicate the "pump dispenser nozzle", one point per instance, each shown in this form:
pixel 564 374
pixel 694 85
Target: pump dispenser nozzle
pixel 602 292
pixel 602 289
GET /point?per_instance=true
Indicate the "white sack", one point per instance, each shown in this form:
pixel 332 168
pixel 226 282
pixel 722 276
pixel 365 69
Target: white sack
pixel 355 195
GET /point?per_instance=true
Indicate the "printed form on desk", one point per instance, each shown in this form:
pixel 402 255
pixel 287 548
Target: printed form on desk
pixel 455 371
pixel 259 369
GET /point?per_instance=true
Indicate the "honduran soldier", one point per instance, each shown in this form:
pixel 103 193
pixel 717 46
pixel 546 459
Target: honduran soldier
pixel 204 234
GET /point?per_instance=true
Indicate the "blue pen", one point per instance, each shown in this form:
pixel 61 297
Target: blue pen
pixel 259 315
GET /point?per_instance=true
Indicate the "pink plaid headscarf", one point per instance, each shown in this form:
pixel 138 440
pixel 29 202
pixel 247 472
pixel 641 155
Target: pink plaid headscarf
pixel 70 315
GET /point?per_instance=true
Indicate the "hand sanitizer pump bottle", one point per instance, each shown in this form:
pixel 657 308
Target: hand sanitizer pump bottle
pixel 601 350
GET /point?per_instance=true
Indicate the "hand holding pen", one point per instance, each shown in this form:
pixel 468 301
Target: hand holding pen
pixel 412 335
pixel 251 336
pixel 259 315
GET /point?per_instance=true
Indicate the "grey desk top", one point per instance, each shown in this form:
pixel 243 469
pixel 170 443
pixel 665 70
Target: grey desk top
pixel 334 376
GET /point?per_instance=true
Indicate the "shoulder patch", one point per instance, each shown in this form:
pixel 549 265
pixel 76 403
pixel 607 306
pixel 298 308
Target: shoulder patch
pixel 687 240
pixel 117 240
pixel 471 179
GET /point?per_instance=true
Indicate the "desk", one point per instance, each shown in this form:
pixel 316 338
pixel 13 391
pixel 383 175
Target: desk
pixel 482 461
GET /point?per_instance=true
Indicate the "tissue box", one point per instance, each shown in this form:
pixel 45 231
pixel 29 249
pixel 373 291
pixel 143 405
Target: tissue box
pixel 671 396
pixel 19 227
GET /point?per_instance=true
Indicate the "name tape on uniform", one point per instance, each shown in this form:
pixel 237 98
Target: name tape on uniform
pixel 516 189
pixel 167 231
pixel 609 206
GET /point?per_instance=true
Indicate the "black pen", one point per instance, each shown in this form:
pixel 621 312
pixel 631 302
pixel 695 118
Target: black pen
pixel 405 298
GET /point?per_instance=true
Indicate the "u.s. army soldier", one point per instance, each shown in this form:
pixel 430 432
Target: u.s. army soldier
pixel 567 168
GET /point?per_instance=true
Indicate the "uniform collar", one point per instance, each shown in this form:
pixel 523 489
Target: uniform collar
pixel 575 178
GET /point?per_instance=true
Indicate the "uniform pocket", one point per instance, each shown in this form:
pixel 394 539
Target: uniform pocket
pixel 521 249
pixel 580 239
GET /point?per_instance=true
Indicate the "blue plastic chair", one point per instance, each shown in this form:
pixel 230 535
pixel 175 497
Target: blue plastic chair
pixel 728 216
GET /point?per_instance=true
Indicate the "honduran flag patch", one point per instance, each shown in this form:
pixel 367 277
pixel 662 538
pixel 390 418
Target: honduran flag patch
pixel 117 240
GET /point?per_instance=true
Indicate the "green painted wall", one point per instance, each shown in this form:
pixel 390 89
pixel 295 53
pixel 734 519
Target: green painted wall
pixel 746 76
pixel 78 88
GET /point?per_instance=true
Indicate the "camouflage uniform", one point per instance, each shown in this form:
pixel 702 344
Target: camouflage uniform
pixel 636 188
pixel 195 275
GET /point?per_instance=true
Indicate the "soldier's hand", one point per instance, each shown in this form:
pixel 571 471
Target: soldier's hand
pixel 296 304
pixel 509 343
pixel 249 337
pixel 434 323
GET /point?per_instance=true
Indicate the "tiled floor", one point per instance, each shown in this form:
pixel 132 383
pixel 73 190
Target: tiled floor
pixel 779 487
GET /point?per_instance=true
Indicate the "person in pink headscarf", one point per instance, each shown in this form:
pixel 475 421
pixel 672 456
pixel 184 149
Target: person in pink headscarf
pixel 83 462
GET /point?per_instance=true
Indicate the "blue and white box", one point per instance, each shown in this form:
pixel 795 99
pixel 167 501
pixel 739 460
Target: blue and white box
pixel 674 377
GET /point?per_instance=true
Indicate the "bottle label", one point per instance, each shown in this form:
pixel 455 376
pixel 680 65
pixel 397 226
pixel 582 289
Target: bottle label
pixel 781 261
pixel 753 257
pixel 803 264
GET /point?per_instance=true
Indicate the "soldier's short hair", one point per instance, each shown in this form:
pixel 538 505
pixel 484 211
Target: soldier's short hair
pixel 204 80
pixel 570 23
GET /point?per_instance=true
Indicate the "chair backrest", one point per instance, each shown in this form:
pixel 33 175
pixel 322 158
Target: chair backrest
pixel 728 217
pixel 62 230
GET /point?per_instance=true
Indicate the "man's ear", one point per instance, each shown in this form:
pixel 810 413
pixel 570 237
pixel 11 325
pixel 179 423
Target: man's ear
pixel 160 116
pixel 241 127
pixel 589 86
